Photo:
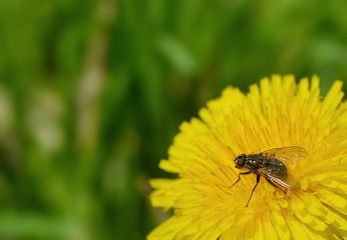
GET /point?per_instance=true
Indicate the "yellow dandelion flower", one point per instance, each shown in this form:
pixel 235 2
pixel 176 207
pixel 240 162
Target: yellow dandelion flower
pixel 276 114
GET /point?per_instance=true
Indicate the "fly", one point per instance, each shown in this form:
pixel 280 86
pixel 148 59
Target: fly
pixel 271 165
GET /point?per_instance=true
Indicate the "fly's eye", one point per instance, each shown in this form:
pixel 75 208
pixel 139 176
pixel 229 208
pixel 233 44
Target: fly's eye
pixel 240 161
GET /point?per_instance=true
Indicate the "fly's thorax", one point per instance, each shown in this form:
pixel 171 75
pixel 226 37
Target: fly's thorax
pixel 255 161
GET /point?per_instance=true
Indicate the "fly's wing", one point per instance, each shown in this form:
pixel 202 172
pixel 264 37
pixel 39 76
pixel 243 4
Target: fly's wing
pixel 288 182
pixel 287 155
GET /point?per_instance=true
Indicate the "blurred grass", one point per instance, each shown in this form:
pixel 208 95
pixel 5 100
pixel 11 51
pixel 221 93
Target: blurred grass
pixel 92 93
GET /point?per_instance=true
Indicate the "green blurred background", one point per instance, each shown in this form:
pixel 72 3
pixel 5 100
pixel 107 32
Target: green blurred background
pixel 92 93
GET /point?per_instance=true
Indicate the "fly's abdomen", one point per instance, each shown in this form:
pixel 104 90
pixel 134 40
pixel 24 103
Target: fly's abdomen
pixel 277 168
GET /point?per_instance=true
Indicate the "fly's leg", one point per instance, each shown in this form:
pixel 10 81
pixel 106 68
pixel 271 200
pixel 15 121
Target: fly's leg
pixel 275 185
pixel 243 173
pixel 258 178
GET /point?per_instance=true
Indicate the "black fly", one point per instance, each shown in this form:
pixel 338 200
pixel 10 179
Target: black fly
pixel 271 164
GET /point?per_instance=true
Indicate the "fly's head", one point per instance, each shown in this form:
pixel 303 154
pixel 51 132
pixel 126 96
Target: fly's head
pixel 240 161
